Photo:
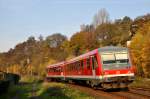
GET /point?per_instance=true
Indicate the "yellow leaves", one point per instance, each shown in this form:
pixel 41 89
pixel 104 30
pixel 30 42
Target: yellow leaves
pixel 145 29
pixel 140 47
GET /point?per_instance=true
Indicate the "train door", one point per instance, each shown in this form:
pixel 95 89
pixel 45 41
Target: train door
pixel 84 67
pixel 94 65
pixel 88 66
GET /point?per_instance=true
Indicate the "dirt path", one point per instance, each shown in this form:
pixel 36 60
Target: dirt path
pixel 34 91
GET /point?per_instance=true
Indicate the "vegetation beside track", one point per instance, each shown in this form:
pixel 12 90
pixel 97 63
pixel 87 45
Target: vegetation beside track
pixel 141 82
pixel 33 89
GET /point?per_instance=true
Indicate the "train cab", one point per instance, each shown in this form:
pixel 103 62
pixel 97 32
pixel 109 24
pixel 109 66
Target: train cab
pixel 117 70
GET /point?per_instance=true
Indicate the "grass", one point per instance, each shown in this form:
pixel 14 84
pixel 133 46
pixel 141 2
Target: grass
pixel 17 91
pixel 52 90
pixel 30 88
pixel 60 91
pixel 141 82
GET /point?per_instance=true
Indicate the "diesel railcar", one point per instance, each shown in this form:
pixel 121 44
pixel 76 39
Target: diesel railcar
pixel 106 67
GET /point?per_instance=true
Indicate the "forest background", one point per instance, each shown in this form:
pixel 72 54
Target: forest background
pixel 33 55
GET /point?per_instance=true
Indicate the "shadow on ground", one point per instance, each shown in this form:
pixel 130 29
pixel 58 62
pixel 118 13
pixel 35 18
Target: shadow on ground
pixel 54 93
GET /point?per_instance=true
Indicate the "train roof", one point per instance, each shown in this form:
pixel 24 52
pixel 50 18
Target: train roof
pixel 55 65
pixel 112 49
pixel 83 56
pixel 103 49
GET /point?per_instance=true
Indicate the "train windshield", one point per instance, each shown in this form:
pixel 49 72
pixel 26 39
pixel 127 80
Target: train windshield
pixel 115 60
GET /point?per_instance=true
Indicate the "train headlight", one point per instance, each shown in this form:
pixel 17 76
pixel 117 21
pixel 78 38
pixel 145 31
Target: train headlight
pixel 106 73
pixel 129 72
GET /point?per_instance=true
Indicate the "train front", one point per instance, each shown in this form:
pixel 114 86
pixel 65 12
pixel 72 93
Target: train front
pixel 117 71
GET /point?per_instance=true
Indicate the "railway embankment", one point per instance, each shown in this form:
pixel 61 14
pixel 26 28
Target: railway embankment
pixel 140 83
pixel 35 89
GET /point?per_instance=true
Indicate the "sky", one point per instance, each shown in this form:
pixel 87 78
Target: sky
pixel 20 19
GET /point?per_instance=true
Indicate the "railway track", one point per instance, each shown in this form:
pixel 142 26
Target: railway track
pixel 145 92
pixel 97 94
pixel 132 93
pixel 139 88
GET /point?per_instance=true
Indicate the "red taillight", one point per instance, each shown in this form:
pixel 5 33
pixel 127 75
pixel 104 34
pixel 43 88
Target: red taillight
pixel 129 72
pixel 117 72
pixel 106 73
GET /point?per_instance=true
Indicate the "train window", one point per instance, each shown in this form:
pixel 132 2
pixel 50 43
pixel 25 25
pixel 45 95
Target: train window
pixel 72 67
pixel 66 67
pixel 61 69
pixel 54 69
pixel 79 65
pixel 82 63
pixel 94 62
pixel 76 65
pixel 69 68
pixel 108 58
pixel 58 69
pixel 88 63
pixel 122 58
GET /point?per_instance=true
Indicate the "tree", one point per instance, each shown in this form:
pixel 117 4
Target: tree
pixel 31 39
pixel 123 26
pixel 77 43
pixel 87 28
pixel 141 50
pixel 107 34
pixel 101 17
pixel 138 22
pixel 55 40
pixel 40 38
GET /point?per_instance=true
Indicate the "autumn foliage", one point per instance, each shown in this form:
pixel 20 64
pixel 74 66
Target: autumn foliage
pixel 140 47
pixel 31 56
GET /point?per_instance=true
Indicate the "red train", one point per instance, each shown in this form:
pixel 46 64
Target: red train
pixel 106 67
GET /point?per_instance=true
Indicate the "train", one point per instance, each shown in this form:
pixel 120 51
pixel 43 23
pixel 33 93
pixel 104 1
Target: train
pixel 108 67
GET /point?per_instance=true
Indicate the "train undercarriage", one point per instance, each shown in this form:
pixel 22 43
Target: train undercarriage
pixel 121 82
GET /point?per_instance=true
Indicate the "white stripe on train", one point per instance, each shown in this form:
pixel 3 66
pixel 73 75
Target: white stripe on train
pixel 92 77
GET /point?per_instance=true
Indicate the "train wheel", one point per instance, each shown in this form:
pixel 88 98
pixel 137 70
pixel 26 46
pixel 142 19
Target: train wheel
pixel 115 85
pixel 92 84
pixel 88 83
pixel 48 79
pixel 123 85
pixel 70 81
pixel 106 86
